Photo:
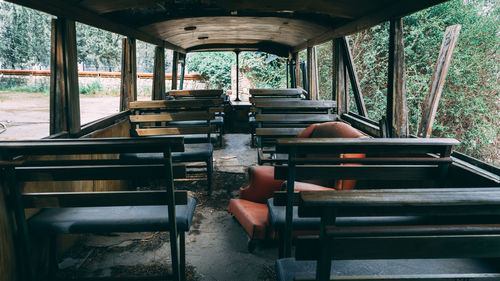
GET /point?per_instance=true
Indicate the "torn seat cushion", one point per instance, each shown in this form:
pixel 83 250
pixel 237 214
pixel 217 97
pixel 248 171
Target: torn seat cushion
pixel 262 184
pixel 111 219
pixel 252 216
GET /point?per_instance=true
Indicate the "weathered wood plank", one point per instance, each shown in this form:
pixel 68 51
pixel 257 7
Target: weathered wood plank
pixel 278 131
pixel 283 92
pixel 299 104
pixel 272 99
pixel 295 117
pixel 168 104
pixel 196 93
pixel 97 172
pixel 64 93
pixel 351 69
pixel 176 131
pixel 397 108
pixel 339 77
pixel 99 199
pixel 128 87
pixel 159 74
pixel 347 145
pixel 177 116
pixel 9 149
pixel 175 64
pixel 438 78
pixel 372 172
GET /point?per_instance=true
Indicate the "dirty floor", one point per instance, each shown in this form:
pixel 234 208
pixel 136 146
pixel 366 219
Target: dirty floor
pixel 216 247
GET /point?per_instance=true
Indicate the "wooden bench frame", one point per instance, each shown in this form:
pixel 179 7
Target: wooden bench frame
pixel 443 240
pixel 391 162
pixel 18 166
pixel 270 95
pixel 286 119
pixel 156 113
pixel 205 94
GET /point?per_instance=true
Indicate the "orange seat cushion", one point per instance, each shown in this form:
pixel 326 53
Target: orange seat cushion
pixel 254 217
pixel 262 185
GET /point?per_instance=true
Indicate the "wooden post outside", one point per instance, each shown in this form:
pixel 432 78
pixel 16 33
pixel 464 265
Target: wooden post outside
pixel 293 72
pixel 128 89
pixel 339 76
pixel 397 109
pixel 159 74
pixel 237 52
pixel 353 77
pixel 312 73
pixel 297 69
pixel 182 59
pixel 64 92
pixel 438 78
pixel 175 63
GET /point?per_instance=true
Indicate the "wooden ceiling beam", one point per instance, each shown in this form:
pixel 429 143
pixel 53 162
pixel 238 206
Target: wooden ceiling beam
pixel 64 9
pixel 276 49
pixel 108 6
pixel 397 10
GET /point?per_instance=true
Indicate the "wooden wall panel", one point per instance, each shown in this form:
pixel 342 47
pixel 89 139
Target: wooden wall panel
pixel 8 255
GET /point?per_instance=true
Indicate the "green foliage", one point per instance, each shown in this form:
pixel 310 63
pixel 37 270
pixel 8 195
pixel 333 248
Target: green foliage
pixel 263 70
pixel 22 84
pixel 470 101
pixel 24 37
pixel 91 88
pixel 214 67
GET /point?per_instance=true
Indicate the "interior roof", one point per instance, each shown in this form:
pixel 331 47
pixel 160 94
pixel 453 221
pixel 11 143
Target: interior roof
pixel 277 27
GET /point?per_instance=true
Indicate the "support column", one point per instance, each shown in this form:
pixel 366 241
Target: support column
pixel 297 69
pixel 64 92
pixel 353 77
pixel 175 63
pixel 292 71
pixel 397 109
pixel 182 59
pixel 237 75
pixel 159 74
pixel 128 89
pixel 312 73
pixel 339 76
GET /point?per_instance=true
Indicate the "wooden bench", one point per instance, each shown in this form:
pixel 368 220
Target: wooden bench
pixel 218 121
pixel 388 163
pixel 286 119
pixel 459 240
pixel 48 166
pixel 270 95
pixel 181 118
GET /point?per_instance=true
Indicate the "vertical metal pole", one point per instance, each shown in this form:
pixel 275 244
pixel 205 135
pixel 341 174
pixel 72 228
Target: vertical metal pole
pixel 237 75
pixel 183 69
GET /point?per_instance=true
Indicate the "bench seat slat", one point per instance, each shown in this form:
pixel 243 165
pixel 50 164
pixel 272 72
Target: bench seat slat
pixel 100 199
pixel 176 131
pixel 177 116
pixel 403 247
pixel 295 117
pixel 362 172
pixel 94 172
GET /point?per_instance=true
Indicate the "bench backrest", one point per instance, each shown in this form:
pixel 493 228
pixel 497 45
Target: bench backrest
pixel 151 118
pixel 75 160
pixel 443 238
pixel 385 159
pixel 286 119
pixel 257 95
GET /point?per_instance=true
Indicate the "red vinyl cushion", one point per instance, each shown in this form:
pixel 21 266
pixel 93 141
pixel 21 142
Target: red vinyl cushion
pixel 262 184
pixel 254 217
